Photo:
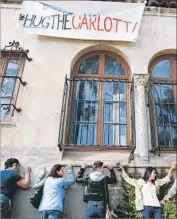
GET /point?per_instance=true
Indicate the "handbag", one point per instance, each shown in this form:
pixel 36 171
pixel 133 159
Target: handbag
pixel 36 196
pixel 108 210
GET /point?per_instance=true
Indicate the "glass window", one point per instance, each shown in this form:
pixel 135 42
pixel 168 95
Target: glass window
pixel 9 70
pixel 90 65
pixel 113 66
pixel 165 101
pixel 100 115
pixel 162 69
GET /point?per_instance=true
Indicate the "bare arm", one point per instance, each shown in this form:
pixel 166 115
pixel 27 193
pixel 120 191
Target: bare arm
pixel 24 183
pixel 71 178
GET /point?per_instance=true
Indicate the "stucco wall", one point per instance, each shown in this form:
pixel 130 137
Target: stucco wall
pixel 32 135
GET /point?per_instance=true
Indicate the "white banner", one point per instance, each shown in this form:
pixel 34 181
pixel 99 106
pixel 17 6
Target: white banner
pixel 88 20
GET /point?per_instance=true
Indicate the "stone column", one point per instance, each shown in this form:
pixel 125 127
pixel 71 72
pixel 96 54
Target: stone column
pixel 141 124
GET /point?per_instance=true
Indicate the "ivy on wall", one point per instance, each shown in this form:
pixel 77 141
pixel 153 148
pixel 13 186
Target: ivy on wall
pixel 125 207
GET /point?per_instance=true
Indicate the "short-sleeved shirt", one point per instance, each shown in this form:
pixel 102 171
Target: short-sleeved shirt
pixel 9 178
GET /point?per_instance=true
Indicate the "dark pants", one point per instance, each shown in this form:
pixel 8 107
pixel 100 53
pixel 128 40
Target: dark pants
pixel 51 214
pixel 5 207
pixel 96 209
pixel 152 212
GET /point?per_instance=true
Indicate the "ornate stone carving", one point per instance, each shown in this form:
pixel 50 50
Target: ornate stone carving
pixel 141 79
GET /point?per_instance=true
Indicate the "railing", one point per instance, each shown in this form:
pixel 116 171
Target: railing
pixel 13 49
pixel 65 139
pixel 156 97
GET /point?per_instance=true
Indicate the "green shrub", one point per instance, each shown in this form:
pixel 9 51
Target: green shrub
pixel 125 207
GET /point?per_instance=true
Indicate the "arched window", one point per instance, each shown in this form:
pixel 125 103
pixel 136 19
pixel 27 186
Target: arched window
pixel 164 83
pixel 100 113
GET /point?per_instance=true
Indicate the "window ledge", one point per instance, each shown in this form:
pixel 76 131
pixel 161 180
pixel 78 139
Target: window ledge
pixel 92 148
pixel 7 124
pixel 167 150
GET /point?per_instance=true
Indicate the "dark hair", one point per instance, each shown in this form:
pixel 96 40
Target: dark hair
pixel 53 172
pixel 9 162
pixel 148 172
pixel 97 164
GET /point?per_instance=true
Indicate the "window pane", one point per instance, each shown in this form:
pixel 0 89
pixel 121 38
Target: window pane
pixel 108 112
pixel 162 69
pixel 108 91
pixel 113 66
pixel 87 90
pixel 115 113
pixel 174 136
pixel 167 136
pixel 90 66
pixel 123 135
pixel 7 87
pixel 84 126
pixel 4 110
pixel 157 95
pixel 115 91
pixel 163 136
pixel 167 94
pixel 12 67
pixel 172 114
pixel 108 135
pixel 84 134
pixel 159 118
pixel 85 111
pixel 163 93
pixel 122 113
pixel 166 114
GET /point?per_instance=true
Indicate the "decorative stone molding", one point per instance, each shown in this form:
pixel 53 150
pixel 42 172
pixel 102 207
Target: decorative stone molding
pixel 140 79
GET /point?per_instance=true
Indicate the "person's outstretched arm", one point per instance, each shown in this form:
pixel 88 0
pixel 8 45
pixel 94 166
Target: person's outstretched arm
pixel 126 177
pixel 24 183
pixel 80 176
pixel 71 179
pixel 112 179
pixel 41 179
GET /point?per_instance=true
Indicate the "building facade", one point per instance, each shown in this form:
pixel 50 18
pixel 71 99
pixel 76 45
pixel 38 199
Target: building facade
pixel 74 101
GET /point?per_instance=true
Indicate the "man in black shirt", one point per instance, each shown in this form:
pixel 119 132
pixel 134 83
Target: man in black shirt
pixel 10 179
pixel 96 192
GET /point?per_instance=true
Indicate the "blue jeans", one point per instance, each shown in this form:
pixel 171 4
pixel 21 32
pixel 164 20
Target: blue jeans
pixel 52 214
pixel 4 203
pixel 96 209
pixel 152 212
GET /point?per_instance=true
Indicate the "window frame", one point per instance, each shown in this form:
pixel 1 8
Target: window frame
pixel 5 57
pixel 172 58
pixel 100 76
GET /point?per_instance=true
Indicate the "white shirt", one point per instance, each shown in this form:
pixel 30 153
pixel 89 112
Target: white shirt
pixel 149 195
